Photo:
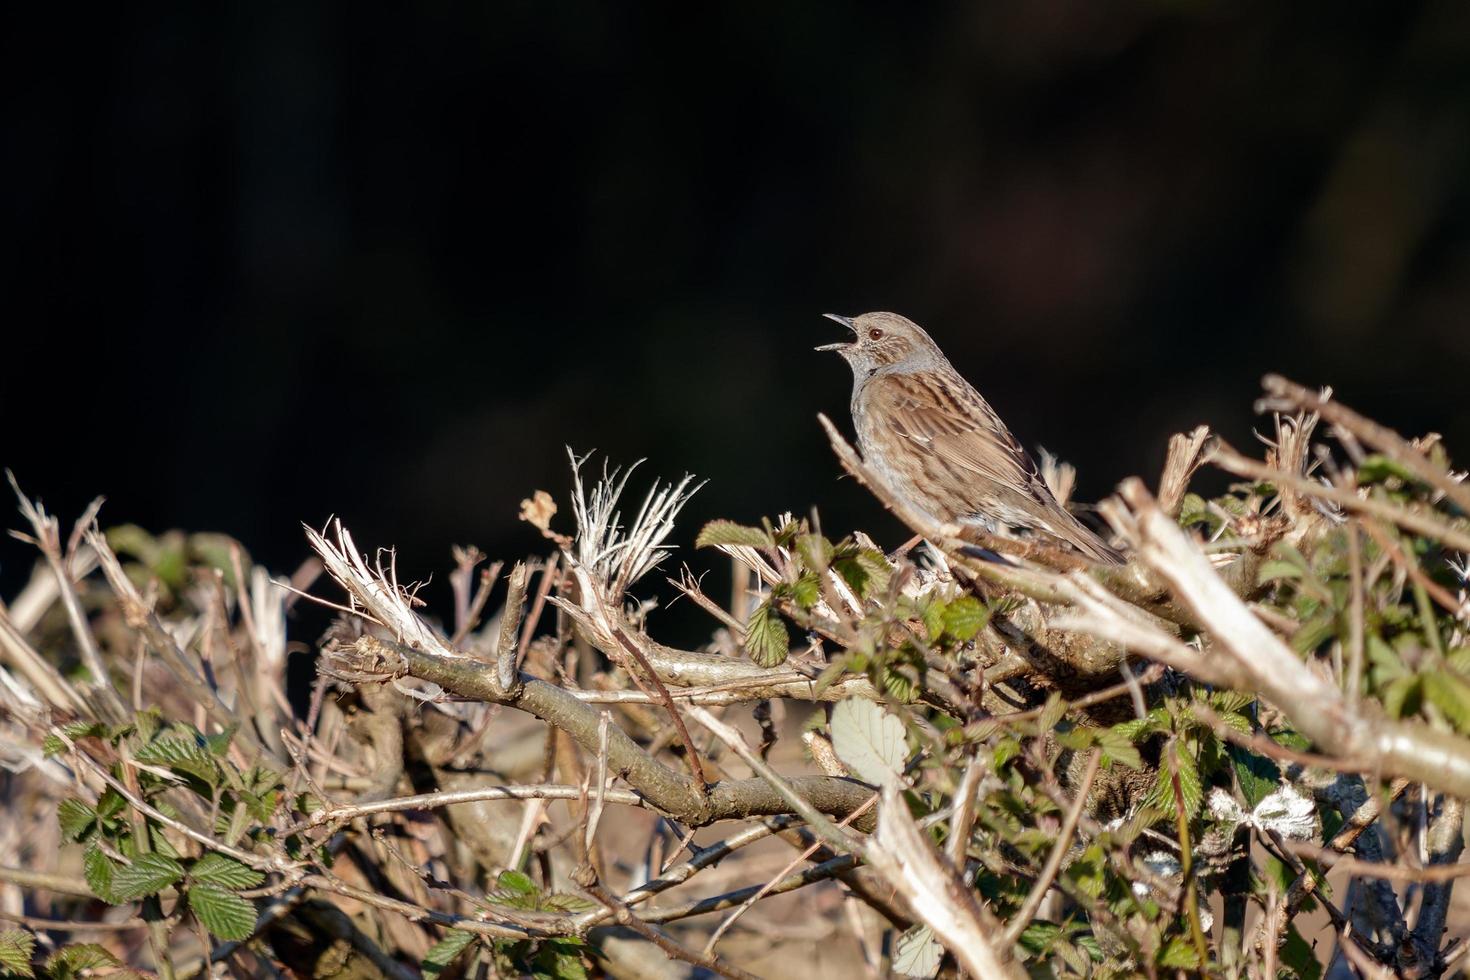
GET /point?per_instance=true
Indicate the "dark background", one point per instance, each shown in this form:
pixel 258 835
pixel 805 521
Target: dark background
pixel 271 262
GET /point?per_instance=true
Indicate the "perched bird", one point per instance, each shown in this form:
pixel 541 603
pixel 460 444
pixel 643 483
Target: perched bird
pixel 939 444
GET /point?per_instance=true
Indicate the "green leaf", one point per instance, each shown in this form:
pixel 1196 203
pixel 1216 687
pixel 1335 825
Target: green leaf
pixel 53 744
pixel 931 611
pixel 219 743
pixel 1118 748
pixel 868 740
pixel 101 874
pixel 1403 696
pixel 717 533
pixel 807 590
pixel 867 572
pixel 1179 953
pixel 1039 936
pixel 917 953
pixel 149 874
pixel 1191 791
pixel 1136 729
pixel 1277 570
pixel 515 883
pixel 766 640
pixel 1052 712
pixel 225 872
pixel 446 951
pixel 182 755
pixel 1377 469
pixel 76 819
pixel 1089 871
pixel 1297 956
pixel 223 913
pixel 16 949
pixel 965 617
pixel 1451 695
pixel 72 960
pixel 559 959
pixel 565 902
pixel 899 683
pixel 1257 775
pixel 110 803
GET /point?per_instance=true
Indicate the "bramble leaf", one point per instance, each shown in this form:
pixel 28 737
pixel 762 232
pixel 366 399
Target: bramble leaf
pixel 445 952
pixel 717 533
pixel 868 740
pixel 223 913
pixel 766 639
pixel 149 874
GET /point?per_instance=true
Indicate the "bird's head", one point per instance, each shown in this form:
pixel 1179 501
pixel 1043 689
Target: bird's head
pixel 881 340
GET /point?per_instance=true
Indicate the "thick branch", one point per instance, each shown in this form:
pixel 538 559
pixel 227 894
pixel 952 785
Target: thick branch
pixel 670 791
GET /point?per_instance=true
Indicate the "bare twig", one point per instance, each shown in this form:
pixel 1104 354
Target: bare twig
pixel 1283 394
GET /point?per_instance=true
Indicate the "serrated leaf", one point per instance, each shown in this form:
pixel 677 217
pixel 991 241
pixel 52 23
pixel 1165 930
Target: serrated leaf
pixel 965 617
pixel 717 533
pixel 917 953
pixel 78 957
pixel 1179 953
pixel 16 948
pixel 1039 936
pixel 180 754
pixel 54 744
pixel 807 590
pixel 226 872
pixel 899 686
pixel 76 818
pixel 1257 775
pixel 101 872
pixel 445 951
pixel 766 641
pixel 149 874
pixel 868 740
pixel 1191 790
pixel 1118 748
pixel 516 883
pixel 566 902
pixel 223 913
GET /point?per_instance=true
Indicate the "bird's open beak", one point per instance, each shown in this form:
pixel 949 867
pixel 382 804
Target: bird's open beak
pixel 846 321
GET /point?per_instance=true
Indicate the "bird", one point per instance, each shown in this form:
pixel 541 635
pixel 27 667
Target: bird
pixel 937 442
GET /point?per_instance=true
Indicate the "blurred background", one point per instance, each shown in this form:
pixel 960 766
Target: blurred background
pixel 269 263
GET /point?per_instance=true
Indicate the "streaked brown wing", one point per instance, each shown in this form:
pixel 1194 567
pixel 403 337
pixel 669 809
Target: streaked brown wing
pixel 955 423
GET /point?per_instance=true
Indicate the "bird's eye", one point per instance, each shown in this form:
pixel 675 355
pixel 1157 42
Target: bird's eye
pixel 875 334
